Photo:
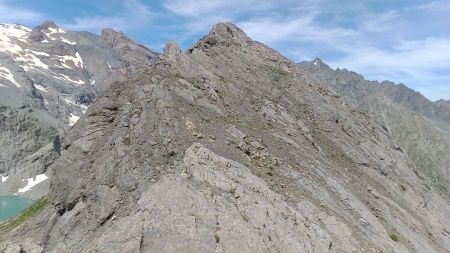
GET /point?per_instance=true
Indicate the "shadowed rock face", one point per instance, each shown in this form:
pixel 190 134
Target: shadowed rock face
pixel 48 79
pixel 419 126
pixel 230 147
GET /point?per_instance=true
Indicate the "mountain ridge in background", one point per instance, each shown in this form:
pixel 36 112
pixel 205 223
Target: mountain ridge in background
pixel 48 79
pixel 420 127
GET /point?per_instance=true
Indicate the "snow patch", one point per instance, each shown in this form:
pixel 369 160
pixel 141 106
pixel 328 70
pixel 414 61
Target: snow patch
pixel 32 182
pixel 83 108
pixel 33 60
pixel 70 102
pixel 52 30
pixel 41 88
pixel 73 119
pixel 15 31
pixel 39 53
pixel 68 41
pixel 66 78
pixel 77 60
pixel 4 178
pixel 6 73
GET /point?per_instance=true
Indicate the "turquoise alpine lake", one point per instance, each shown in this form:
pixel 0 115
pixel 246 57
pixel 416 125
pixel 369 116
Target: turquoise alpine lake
pixel 12 205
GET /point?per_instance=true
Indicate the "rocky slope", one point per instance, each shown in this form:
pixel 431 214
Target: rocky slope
pixel 443 102
pixel 230 147
pixel 419 126
pixel 48 79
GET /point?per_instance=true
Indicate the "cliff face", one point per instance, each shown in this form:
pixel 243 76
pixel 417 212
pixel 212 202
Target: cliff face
pixel 230 147
pixel 420 127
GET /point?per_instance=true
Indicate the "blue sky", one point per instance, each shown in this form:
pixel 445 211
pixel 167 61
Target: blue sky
pixel 404 41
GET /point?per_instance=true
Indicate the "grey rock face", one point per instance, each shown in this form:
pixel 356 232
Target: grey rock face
pixel 48 79
pixel 443 102
pixel 419 126
pixel 137 57
pixel 230 147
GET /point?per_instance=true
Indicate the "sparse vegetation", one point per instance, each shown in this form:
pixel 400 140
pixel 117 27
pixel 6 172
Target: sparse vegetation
pixel 127 140
pixel 402 188
pixel 217 238
pixel 446 232
pixel 276 73
pixel 26 214
pixel 394 237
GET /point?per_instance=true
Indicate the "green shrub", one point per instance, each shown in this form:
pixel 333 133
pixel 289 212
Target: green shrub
pixel 217 238
pixel 394 237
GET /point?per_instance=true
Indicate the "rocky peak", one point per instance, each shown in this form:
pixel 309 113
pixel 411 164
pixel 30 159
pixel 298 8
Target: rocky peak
pixel 317 66
pixel 46 25
pixel 225 33
pixel 135 54
pixel 318 62
pixel 113 38
pixel 172 49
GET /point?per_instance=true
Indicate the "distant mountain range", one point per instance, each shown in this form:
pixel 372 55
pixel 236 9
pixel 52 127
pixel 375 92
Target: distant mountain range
pixel 443 102
pixel 48 79
pixel 420 127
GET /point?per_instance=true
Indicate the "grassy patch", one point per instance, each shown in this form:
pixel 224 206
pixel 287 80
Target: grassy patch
pixel 26 214
pixel 394 237
pixel 276 73
pixel 217 238
pixel 446 232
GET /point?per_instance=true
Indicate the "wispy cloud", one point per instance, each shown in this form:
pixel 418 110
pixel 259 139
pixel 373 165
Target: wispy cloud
pixel 404 41
pixel 133 15
pixel 12 12
pixel 379 42
pixel 202 8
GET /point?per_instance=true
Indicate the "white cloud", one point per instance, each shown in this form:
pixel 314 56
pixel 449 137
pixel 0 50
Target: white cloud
pixel 434 6
pixel 201 8
pixel 420 64
pixel 274 30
